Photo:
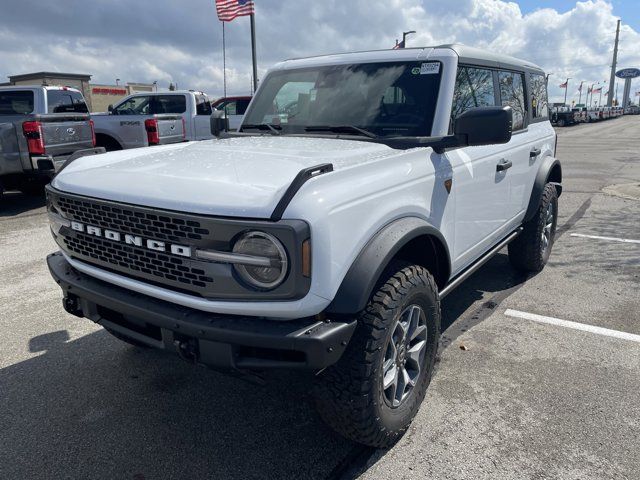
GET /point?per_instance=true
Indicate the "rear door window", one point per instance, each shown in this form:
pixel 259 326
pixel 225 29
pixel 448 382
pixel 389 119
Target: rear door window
pixel 474 88
pixel 66 101
pixel 512 95
pixel 16 103
pixel 170 104
pixel 539 102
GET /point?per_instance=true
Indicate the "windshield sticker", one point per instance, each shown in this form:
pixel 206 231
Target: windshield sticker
pixel 415 70
pixel 429 68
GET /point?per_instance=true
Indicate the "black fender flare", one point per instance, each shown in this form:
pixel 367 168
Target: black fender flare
pixel 359 282
pixel 549 164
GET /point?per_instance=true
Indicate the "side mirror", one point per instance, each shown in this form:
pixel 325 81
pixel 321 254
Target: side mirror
pixel 110 108
pixel 484 126
pixel 219 123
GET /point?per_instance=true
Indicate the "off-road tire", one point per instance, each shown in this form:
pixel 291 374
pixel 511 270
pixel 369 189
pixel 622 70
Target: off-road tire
pixel 527 252
pixel 349 395
pixel 129 340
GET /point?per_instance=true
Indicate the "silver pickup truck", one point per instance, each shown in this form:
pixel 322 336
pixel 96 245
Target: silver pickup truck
pixel 145 119
pixel 40 128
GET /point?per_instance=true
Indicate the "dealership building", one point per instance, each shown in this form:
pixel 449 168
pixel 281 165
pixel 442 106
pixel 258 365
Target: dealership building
pixel 98 96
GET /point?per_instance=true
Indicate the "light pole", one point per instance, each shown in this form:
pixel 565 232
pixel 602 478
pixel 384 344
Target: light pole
pixel 155 85
pixel 600 100
pixel 404 37
pixel 580 90
pixel 117 82
pixel 591 90
pixel 566 89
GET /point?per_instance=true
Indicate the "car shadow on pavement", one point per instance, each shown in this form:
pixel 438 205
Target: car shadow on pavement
pixel 15 203
pixel 495 277
pixel 94 407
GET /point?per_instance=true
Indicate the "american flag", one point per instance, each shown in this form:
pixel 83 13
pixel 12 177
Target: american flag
pixel 563 85
pixel 596 90
pixel 230 9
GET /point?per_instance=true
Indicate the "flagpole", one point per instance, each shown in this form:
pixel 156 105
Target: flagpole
pixel 566 89
pixel 224 62
pixel 580 98
pixel 253 53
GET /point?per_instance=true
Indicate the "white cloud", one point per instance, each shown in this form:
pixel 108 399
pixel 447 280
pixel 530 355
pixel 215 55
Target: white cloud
pixel 162 40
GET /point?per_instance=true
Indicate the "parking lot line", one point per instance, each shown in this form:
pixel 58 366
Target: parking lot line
pixel 574 325
pixel 612 239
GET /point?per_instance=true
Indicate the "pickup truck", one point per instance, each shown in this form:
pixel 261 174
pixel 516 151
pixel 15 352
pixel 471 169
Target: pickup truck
pixel 562 116
pixel 40 127
pixel 234 108
pixel 323 235
pixel 158 118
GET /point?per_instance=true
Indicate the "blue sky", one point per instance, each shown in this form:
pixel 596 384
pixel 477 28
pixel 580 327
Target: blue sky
pixel 627 10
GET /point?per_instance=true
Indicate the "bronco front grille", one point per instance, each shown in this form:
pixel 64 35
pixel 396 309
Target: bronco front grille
pixel 165 267
pixel 122 219
pixel 105 245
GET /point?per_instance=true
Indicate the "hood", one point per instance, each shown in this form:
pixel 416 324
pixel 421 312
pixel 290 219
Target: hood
pixel 236 177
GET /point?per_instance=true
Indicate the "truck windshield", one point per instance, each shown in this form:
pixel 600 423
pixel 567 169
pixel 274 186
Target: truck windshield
pixel 18 102
pixel 370 99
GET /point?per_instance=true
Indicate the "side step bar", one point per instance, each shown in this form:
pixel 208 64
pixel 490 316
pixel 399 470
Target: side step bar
pixel 480 262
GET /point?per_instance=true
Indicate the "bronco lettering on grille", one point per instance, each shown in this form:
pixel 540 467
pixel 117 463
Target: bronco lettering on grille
pixel 135 240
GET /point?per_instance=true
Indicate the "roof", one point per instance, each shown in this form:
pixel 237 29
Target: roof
pixel 465 54
pixel 29 76
pixel 6 87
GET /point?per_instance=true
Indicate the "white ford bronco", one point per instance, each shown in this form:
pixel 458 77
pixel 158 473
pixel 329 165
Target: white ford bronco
pixel 359 191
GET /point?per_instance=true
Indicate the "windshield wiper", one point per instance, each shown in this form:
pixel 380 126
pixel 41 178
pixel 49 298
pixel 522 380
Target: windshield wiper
pixel 273 129
pixel 341 129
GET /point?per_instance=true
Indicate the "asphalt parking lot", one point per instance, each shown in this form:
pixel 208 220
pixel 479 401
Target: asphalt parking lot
pixel 516 394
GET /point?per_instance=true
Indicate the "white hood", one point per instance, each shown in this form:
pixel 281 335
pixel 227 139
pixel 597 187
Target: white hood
pixel 237 177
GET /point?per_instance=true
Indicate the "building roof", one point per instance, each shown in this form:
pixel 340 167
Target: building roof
pixel 36 75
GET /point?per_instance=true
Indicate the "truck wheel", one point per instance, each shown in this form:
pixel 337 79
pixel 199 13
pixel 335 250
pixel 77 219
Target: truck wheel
pixel 126 339
pixel 561 122
pixel 372 394
pixel 109 143
pixel 531 249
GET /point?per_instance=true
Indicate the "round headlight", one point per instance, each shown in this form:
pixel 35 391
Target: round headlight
pixel 260 244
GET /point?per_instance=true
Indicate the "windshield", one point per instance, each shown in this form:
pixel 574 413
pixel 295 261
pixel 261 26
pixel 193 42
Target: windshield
pixel 384 99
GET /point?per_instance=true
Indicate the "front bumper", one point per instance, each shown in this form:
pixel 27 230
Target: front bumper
pixel 219 341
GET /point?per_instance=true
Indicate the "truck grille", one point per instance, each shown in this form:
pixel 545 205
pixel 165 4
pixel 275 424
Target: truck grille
pixel 122 219
pixel 138 260
pixel 107 247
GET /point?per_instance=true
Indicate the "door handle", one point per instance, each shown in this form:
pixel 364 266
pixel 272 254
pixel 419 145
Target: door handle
pixel 503 165
pixel 534 153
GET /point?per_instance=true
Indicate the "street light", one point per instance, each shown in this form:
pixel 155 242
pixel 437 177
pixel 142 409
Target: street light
pixel 404 36
pixel 117 80
pixel 155 85
pixel 403 43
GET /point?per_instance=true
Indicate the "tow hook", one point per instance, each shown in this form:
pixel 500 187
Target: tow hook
pixel 72 306
pixel 186 349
